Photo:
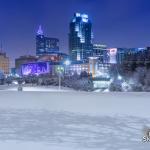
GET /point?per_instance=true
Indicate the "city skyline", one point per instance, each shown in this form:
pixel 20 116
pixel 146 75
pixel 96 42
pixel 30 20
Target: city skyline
pixel 115 23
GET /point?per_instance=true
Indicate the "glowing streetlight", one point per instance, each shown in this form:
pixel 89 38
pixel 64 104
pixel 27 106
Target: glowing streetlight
pixel 119 77
pixel 60 70
pixel 67 62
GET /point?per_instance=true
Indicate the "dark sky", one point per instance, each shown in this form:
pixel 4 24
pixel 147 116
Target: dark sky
pixel 117 23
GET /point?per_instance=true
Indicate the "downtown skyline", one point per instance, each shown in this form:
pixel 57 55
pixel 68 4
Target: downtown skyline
pixel 116 23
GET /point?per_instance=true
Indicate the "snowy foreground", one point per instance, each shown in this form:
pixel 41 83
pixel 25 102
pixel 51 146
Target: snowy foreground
pixel 73 120
pixel 34 88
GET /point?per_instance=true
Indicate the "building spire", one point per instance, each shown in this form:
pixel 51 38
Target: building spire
pixel 40 31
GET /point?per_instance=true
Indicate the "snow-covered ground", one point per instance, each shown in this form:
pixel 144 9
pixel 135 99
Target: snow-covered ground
pixel 73 120
pixel 34 88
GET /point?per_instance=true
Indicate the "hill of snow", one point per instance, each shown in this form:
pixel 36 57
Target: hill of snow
pixel 73 120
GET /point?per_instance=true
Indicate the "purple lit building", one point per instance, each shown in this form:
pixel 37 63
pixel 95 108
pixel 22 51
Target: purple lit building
pixel 35 68
pixel 43 67
pixel 24 60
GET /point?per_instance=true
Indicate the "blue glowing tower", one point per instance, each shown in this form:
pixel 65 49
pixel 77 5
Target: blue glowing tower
pixel 80 37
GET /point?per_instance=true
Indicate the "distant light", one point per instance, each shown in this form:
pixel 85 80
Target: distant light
pixel 24 82
pixel 74 20
pixel 78 56
pixel 141 49
pixel 17 75
pixel 78 14
pixel 124 84
pixel 15 82
pixel 84 17
pixel 113 51
pixel 82 40
pixel 60 69
pixel 93 58
pixel 67 62
pixel 40 31
pixel 112 55
pixel 106 90
pixel 119 77
pixel 107 76
pixel 77 28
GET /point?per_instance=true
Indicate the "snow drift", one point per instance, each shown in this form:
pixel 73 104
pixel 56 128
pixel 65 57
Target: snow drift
pixel 73 120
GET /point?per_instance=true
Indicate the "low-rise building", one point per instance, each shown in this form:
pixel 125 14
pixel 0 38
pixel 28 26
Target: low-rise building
pixel 23 60
pixel 77 68
pixel 101 52
pixel 53 57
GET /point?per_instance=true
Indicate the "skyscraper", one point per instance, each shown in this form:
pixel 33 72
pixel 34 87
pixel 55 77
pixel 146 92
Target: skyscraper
pixel 45 45
pixel 80 37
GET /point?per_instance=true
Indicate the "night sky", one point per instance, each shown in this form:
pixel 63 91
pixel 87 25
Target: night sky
pixel 117 23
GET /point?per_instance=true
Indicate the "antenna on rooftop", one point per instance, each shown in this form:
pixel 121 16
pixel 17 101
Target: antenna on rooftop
pixel 40 30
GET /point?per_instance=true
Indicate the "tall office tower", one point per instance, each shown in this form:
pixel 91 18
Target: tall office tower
pixel 45 45
pixel 80 37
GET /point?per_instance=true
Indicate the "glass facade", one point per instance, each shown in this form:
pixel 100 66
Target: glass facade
pixel 35 68
pixel 101 52
pixel 80 37
pixel 45 45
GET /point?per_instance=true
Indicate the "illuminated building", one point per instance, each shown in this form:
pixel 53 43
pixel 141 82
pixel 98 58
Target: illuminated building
pixel 129 55
pixel 45 45
pixel 112 55
pixel 41 68
pixel 120 57
pixel 35 68
pixel 80 37
pixel 23 60
pixel 77 68
pixel 100 73
pixel 53 57
pixel 138 55
pixel 4 63
pixel 101 52
pixel 93 65
pixel 13 71
pixel 98 69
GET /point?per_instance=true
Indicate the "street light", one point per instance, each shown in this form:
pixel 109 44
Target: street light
pixel 67 62
pixel 60 69
pixel 119 77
